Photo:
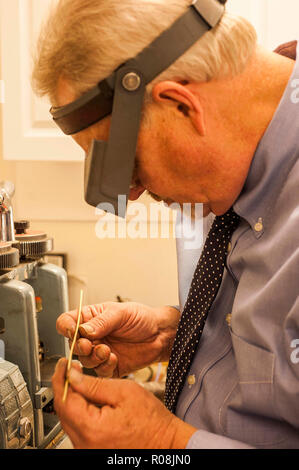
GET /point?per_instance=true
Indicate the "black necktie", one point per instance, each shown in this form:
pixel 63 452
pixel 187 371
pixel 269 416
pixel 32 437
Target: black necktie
pixel 204 287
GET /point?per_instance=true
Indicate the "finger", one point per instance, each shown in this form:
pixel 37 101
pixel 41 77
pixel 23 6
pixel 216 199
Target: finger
pixel 109 368
pixel 58 382
pixel 96 390
pixel 77 365
pixel 102 324
pixel 59 375
pixel 66 323
pixel 99 355
pixel 75 410
pixel 83 347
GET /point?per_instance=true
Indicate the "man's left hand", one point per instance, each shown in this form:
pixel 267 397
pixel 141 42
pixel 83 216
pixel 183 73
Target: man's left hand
pixel 114 414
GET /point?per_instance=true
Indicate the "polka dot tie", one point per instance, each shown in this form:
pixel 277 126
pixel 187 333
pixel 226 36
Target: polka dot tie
pixel 204 287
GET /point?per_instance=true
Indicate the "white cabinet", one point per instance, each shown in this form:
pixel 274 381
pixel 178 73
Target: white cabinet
pixel 28 131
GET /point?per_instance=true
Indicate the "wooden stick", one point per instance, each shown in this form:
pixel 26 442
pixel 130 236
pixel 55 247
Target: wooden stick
pixel 66 385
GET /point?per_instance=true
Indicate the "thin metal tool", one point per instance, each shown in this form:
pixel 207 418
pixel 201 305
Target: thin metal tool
pixel 66 385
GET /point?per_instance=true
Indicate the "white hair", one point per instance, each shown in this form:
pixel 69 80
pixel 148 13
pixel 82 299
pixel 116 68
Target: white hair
pixel 83 41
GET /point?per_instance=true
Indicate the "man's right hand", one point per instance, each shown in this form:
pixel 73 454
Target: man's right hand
pixel 119 338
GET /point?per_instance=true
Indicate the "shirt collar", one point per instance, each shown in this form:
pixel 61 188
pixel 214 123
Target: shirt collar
pixel 275 155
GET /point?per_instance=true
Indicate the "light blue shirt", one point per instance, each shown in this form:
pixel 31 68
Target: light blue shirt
pixel 246 368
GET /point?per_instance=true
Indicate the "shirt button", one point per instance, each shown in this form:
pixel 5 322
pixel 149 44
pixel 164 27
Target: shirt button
pixel 228 318
pixel 191 380
pixel 259 226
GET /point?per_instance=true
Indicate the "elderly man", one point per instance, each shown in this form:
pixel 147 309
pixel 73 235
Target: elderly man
pixel 220 127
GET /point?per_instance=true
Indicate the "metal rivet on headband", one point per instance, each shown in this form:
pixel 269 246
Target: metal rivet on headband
pixel 131 81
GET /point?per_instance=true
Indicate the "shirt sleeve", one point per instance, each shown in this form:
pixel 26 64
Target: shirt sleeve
pixel 209 440
pixel 177 307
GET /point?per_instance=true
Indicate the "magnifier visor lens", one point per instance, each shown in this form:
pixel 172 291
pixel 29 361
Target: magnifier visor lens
pixel 101 185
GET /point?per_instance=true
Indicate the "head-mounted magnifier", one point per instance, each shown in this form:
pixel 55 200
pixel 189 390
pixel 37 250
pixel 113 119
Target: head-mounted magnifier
pixel 109 165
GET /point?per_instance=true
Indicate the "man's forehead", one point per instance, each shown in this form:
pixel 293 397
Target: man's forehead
pixel 65 93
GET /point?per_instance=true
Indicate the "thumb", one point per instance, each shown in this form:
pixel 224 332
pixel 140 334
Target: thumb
pixel 96 390
pixel 101 325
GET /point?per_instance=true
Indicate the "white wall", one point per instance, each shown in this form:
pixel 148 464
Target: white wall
pixel 276 21
pixel 139 270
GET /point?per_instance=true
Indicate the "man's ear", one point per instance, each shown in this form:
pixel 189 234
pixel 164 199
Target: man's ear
pixel 186 102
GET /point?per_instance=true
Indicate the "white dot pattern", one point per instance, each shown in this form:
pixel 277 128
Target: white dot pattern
pixel 204 287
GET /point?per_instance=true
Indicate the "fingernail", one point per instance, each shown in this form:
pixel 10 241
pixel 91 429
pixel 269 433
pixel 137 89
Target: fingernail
pixel 87 328
pixel 75 377
pixel 70 333
pixel 79 349
pixel 60 362
pixel 78 363
pixel 101 354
